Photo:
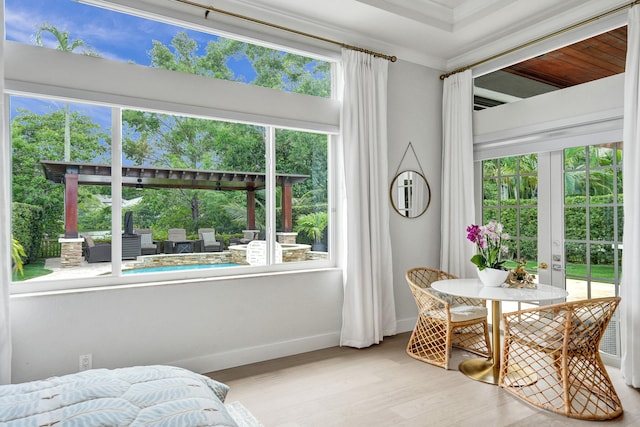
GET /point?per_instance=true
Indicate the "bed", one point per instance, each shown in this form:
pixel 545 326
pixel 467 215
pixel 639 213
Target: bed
pixel 136 396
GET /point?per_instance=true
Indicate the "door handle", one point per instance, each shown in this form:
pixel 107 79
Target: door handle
pixel 543 265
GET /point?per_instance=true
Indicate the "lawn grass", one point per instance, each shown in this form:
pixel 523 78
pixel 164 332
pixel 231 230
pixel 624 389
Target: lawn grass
pixel 580 270
pixel 31 270
pixel 597 271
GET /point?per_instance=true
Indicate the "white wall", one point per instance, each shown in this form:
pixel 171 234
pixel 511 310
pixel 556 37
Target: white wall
pixel 229 322
pixel 545 122
pixel 200 326
pixel 415 115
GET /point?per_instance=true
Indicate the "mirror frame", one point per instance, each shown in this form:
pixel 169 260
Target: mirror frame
pixel 392 187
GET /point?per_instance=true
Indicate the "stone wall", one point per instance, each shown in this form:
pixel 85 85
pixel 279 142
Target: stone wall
pixel 70 252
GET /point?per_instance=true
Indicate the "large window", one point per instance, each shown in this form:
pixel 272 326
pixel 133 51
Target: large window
pixel 509 195
pixel 593 212
pixel 71 26
pixel 582 224
pixel 109 186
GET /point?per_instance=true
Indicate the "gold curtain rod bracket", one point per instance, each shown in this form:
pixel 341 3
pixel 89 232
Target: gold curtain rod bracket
pixel 209 9
pixel 539 39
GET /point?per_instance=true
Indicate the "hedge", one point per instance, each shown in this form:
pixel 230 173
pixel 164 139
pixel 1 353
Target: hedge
pixel 26 222
pixel 601 220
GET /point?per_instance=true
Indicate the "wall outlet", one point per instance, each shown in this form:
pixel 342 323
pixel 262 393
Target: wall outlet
pixel 84 362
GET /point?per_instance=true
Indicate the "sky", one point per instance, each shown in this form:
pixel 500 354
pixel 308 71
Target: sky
pixel 112 34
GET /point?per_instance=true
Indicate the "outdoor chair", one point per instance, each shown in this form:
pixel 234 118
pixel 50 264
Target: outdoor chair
pixel 445 321
pixel 148 246
pixel 207 240
pixel 247 236
pixel 174 235
pixel 551 358
pixel 257 252
pixel 96 252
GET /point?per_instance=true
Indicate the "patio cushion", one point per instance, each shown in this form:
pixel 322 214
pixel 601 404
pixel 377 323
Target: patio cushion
pixel 209 238
pixel 460 313
pixel 146 240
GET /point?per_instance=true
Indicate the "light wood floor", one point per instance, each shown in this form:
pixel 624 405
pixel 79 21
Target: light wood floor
pixel 383 386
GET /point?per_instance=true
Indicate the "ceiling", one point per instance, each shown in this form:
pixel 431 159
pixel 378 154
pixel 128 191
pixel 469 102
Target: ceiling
pixel 442 34
pixel 590 59
pixel 448 34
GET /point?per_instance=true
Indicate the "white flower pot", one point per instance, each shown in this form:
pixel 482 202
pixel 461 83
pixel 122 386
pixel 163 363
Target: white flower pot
pixel 492 277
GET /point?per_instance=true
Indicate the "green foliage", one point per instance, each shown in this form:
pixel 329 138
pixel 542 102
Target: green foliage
pixel 26 223
pixel 17 256
pixel 63 40
pixel 30 271
pixel 313 225
pixel 601 220
pixel 179 142
pixel 183 142
pixel 37 137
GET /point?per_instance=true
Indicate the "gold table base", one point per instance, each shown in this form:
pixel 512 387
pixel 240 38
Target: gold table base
pixel 481 370
pixel 488 370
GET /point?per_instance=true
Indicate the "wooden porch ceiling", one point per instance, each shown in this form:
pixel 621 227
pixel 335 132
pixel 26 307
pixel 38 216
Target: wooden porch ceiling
pixel 156 177
pixel 591 59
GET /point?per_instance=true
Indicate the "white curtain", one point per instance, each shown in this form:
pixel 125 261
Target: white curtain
pixel 630 286
pixel 458 210
pixel 368 312
pixel 5 218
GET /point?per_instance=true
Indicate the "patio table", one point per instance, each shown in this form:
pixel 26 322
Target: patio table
pixel 184 246
pixel 488 370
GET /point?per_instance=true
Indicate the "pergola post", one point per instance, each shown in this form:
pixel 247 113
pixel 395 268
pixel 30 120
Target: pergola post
pixel 71 205
pixel 251 209
pixel 287 208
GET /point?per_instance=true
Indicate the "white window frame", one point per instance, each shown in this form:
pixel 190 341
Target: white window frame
pixel 47 73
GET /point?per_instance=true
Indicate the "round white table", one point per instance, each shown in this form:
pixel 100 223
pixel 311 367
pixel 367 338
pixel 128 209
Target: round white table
pixel 488 370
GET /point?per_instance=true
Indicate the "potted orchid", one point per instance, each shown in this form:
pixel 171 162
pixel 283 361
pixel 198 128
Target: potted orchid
pixel 489 241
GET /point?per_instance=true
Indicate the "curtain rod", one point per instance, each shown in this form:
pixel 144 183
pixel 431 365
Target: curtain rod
pixel 540 39
pixel 289 30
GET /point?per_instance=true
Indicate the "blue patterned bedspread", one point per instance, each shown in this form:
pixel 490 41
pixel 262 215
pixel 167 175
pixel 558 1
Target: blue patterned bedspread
pixel 137 396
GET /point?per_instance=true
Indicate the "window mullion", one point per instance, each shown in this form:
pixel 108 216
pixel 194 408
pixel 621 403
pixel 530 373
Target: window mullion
pixel 270 154
pixel 116 191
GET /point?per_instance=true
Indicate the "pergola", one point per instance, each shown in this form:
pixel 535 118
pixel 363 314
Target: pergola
pixel 73 174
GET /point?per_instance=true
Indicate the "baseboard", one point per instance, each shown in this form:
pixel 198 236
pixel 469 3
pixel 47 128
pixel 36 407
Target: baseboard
pixel 406 325
pixel 247 355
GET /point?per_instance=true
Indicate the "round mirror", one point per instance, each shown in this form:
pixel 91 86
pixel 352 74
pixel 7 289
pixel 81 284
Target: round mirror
pixel 410 194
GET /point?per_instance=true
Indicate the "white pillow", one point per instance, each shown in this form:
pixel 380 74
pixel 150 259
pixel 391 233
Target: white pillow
pixel 209 238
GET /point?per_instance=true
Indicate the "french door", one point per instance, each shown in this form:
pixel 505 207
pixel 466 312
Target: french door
pixel 564 212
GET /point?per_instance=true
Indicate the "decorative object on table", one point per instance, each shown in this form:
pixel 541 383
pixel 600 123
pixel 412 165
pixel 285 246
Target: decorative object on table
pixel 551 358
pixel 445 321
pixel 489 244
pixel 492 277
pixel 519 278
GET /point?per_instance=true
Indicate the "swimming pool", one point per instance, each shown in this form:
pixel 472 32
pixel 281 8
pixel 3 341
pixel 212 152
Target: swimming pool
pixel 178 268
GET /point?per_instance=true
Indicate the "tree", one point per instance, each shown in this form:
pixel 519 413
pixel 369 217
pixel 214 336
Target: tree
pixel 37 137
pixel 183 142
pixel 64 45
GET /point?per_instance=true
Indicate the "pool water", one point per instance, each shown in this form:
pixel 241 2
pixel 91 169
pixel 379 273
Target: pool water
pixel 178 268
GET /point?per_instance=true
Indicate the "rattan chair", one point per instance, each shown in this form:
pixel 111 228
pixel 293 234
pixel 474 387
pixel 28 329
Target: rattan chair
pixel 445 321
pixel 551 358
